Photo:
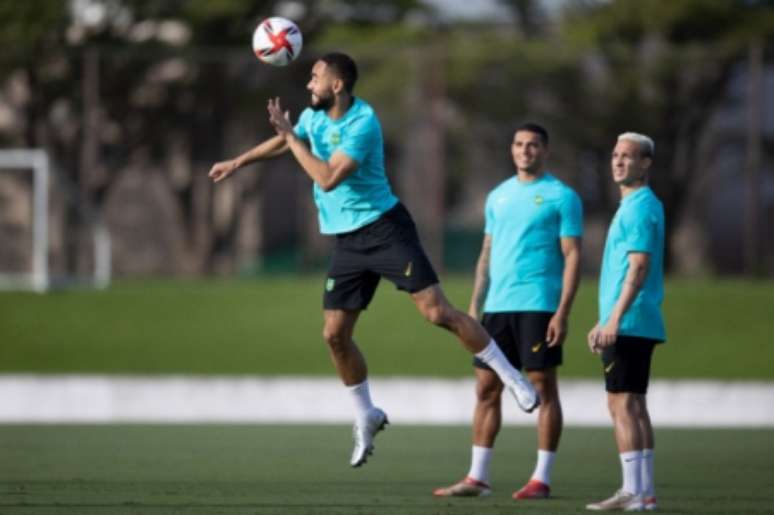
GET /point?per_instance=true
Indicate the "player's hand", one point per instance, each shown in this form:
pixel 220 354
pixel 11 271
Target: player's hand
pixel 592 340
pixel 557 330
pixel 607 335
pixel 221 170
pixel 279 120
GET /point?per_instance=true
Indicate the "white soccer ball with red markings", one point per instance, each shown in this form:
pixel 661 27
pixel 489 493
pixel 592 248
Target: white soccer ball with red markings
pixel 277 41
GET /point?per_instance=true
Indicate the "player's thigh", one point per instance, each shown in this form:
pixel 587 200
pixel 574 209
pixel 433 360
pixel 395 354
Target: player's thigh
pixel 531 328
pixel 402 259
pixel 500 328
pixel 626 365
pixel 350 285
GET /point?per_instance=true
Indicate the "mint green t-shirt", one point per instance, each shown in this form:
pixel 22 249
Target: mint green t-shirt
pixel 638 226
pixel 526 221
pixel 362 197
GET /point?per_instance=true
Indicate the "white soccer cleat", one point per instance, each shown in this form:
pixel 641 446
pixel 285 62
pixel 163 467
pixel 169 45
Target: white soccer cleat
pixel 620 501
pixel 364 432
pixel 524 393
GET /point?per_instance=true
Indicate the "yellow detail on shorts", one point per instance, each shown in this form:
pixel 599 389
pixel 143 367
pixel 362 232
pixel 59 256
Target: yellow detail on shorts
pixel 407 273
pixel 537 346
pixel 609 367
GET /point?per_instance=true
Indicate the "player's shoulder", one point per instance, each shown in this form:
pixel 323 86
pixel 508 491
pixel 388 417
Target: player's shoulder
pixel 307 116
pixel 646 205
pixel 552 181
pixel 307 112
pixel 647 199
pixel 362 108
pixel 654 204
pixel 560 188
pixel 362 115
pixel 502 187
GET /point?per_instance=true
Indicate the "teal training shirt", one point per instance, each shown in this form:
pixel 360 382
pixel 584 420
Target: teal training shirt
pixel 526 221
pixel 638 226
pixel 362 197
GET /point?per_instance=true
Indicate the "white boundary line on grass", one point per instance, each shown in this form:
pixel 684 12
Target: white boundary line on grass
pixel 203 399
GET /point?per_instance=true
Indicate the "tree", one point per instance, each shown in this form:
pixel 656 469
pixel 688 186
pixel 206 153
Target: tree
pixel 666 66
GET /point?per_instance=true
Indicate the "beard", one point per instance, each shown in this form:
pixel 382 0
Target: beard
pixel 322 104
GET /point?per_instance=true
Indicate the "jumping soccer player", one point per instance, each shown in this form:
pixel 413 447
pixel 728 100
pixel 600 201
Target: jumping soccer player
pixel 338 143
pixel 528 272
pixel 631 288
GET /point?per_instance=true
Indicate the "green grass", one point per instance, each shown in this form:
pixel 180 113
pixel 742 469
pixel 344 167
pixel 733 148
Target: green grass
pixel 303 470
pixel 717 329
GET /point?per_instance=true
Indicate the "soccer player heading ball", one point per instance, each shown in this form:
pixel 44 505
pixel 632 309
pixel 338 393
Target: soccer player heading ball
pixel 338 143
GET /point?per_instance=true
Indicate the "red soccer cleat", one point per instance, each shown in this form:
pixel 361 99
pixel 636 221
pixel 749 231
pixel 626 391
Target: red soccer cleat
pixel 649 503
pixel 534 489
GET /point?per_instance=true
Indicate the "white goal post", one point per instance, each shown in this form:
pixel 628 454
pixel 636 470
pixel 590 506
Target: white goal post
pixel 39 279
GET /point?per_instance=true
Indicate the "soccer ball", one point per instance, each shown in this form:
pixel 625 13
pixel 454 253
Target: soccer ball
pixel 277 41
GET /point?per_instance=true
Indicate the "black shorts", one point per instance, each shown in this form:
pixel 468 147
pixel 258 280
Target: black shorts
pixel 626 364
pixel 521 335
pixel 388 247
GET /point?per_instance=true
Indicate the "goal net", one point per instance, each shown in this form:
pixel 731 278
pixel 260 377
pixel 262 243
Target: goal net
pixel 25 215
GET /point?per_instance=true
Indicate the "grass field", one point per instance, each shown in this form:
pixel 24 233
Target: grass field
pixel 304 470
pixel 717 329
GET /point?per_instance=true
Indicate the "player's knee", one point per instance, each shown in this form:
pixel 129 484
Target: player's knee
pixel 639 408
pixel 546 389
pixel 620 405
pixel 439 315
pixel 334 337
pixel 612 405
pixel 489 394
pixel 548 396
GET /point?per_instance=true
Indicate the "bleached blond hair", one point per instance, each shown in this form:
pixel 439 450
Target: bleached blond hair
pixel 647 147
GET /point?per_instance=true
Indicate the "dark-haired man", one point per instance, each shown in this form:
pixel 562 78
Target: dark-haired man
pixel 528 274
pixel 338 143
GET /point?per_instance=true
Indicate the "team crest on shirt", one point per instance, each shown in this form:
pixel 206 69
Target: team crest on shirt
pixel 538 200
pixel 335 138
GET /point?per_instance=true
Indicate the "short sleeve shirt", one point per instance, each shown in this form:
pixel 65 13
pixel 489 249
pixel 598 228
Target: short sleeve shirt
pixel 365 195
pixel 526 221
pixel 638 226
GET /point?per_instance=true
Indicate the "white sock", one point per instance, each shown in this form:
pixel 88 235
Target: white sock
pixel 362 398
pixel 545 462
pixel 479 463
pixel 648 486
pixel 631 465
pixel 494 357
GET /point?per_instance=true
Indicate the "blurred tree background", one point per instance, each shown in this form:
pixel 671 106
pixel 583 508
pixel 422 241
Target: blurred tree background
pixel 135 99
